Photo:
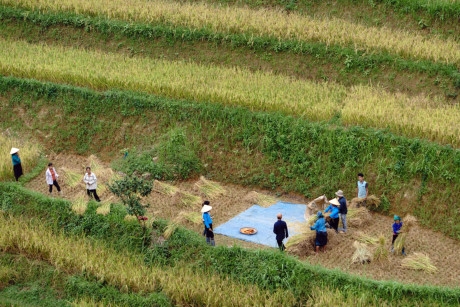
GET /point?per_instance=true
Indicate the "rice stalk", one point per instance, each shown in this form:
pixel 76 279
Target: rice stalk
pixel 194 217
pixel 104 209
pixel 72 179
pixel 170 229
pixel 408 222
pixel 420 262
pixel 79 206
pixel 209 188
pixel 311 220
pixel 362 254
pixel 95 164
pixel 164 188
pixel 260 199
pixel 399 243
pixel 189 200
pixel 358 216
pixel 366 239
pixel 381 252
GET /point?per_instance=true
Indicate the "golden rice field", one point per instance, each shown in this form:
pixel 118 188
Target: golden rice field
pixel 259 22
pixel 430 118
pixel 126 271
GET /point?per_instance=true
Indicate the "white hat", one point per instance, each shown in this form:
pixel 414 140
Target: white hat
pixel 339 193
pixel 14 150
pixel 206 208
pixel 335 202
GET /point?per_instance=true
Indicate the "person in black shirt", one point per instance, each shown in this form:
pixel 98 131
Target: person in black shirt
pixel 281 231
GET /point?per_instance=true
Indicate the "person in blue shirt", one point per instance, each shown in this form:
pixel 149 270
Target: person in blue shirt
pixel 17 167
pixel 397 225
pixel 362 188
pixel 334 208
pixel 321 232
pixel 207 220
pixel 281 231
pixel 343 210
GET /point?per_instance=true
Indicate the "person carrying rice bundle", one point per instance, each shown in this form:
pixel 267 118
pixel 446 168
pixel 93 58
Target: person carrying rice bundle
pixel 334 208
pixel 321 232
pixel 397 225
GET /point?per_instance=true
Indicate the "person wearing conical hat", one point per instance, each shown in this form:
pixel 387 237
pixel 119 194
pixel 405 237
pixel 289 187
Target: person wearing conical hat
pixel 17 166
pixel 205 209
pixel 334 208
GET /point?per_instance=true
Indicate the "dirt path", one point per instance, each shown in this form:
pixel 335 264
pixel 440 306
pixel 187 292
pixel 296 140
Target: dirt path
pixel 442 251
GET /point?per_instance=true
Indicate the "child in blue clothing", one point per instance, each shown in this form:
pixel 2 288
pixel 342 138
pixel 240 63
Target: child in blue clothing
pixel 397 225
pixel 321 232
pixel 334 208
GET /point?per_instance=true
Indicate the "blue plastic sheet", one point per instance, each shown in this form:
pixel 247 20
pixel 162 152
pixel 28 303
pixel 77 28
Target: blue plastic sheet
pixel 263 220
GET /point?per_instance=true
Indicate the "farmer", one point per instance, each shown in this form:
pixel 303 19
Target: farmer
pixel 321 232
pixel 343 210
pixel 51 178
pixel 17 167
pixel 91 184
pixel 206 202
pixel 207 220
pixel 334 208
pixel 281 231
pixel 397 225
pixel 362 187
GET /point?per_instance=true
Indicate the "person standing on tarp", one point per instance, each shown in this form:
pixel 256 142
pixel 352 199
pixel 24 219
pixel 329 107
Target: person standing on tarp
pixel 281 231
pixel 17 167
pixel 208 224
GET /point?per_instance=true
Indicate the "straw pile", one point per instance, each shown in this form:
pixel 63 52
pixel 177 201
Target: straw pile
pixel 408 222
pixel 362 254
pixel 358 216
pixel 305 236
pixel 194 217
pixel 260 199
pixel 72 179
pixel 366 239
pixel 94 163
pixel 79 206
pixel 189 200
pixel 164 188
pixel 419 261
pixel 371 201
pixel 209 188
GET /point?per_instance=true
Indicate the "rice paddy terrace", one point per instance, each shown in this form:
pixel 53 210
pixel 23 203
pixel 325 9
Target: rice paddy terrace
pixel 287 98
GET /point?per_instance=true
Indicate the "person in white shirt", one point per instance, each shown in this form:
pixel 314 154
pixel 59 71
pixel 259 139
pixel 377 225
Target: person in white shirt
pixel 51 178
pixel 91 184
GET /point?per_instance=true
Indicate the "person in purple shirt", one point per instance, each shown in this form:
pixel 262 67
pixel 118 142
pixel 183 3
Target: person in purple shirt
pixel 281 231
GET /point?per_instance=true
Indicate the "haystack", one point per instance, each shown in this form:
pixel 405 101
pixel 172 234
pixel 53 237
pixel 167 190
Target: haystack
pixel 371 201
pixel 315 205
pixel 358 216
pixel 210 188
pixel 362 254
pixel 301 243
pixel 164 188
pixel 381 252
pixel 419 261
pixel 260 199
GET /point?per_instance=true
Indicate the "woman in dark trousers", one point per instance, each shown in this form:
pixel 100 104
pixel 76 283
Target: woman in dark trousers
pixel 17 167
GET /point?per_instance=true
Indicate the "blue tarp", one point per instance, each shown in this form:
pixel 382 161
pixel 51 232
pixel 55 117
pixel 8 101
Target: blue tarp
pixel 263 219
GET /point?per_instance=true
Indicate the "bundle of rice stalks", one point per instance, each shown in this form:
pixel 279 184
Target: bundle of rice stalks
pixel 381 253
pixel 399 243
pixel 209 188
pixel 194 217
pixel 164 188
pixel 419 261
pixel 79 206
pixel 311 220
pixel 104 209
pixel 366 239
pixel 358 216
pixel 362 254
pixel 170 229
pixel 408 222
pixel 189 200
pixel 371 201
pixel 260 199
pixel 72 179
pixel 101 188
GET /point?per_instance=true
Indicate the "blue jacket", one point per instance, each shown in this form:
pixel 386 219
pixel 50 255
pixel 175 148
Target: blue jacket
pixel 334 211
pixel 343 205
pixel 280 229
pixel 397 227
pixel 320 225
pixel 16 159
pixel 207 220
